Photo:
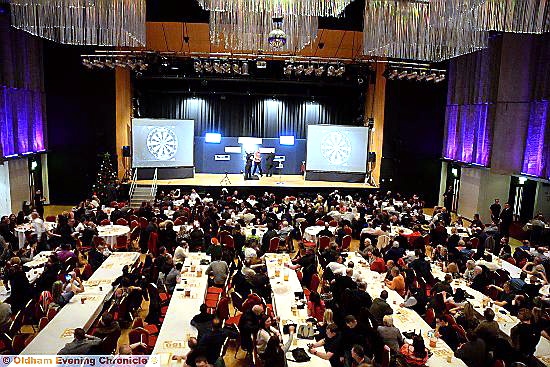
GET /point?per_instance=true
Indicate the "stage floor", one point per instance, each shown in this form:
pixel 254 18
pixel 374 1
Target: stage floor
pixel 237 180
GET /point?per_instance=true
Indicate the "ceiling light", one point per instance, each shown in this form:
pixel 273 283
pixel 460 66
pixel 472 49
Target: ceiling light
pixel 340 71
pixel 309 70
pixel 299 69
pixel 236 68
pixel 331 70
pixel 431 77
pixel 207 67
pixel 288 69
pixel 319 70
pixel 198 66
pixel 393 74
pixel 402 74
pixel 412 75
pixel 98 63
pixel 244 68
pixel 217 67
pixel 421 76
pixel 226 67
pixel 440 78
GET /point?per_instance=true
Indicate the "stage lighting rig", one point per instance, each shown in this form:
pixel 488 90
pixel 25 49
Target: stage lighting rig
pixel 319 70
pixel 309 70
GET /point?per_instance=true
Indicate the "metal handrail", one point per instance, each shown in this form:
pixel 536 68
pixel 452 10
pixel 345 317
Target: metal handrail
pixel 154 186
pixel 133 184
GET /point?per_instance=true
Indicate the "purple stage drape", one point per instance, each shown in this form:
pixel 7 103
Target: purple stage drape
pixel 22 111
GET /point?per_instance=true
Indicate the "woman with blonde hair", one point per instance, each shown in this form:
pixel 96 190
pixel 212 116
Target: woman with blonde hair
pixel 328 318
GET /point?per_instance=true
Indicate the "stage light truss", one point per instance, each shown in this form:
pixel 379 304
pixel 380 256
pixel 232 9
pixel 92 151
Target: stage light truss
pixel 414 72
pixel 314 69
pixel 134 62
pixel 228 67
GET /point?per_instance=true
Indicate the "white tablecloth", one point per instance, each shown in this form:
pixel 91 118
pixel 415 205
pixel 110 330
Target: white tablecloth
pixel 283 299
pixel 462 231
pixel 111 232
pixel 22 228
pixel 176 328
pixel 505 321
pixel 36 269
pixel 310 233
pixel 75 314
pixel 393 233
pixel 404 319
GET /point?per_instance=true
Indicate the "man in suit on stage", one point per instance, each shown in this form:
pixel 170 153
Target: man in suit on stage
pixel 248 166
pixel 257 162
pixel 270 165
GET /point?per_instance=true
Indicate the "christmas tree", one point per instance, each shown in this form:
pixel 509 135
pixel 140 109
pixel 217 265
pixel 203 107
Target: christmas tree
pixel 105 183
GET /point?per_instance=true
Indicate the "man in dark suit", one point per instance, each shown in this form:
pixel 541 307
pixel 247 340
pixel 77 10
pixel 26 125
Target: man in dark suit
pixel 248 166
pixel 506 219
pixel 495 211
pixel 269 164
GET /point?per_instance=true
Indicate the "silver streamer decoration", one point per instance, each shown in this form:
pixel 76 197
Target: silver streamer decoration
pixel 312 8
pixel 246 24
pixel 245 30
pixel 436 30
pixel 83 22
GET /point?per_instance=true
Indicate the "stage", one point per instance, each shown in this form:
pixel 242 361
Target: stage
pixel 237 180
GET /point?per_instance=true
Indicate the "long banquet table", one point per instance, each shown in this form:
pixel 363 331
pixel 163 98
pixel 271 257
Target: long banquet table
pixel 36 268
pixel 284 300
pixel 505 321
pixel 75 314
pixel 403 318
pixel 176 328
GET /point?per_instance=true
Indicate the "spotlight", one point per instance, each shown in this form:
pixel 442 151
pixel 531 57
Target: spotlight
pixel 421 76
pixel 120 63
pixel 109 63
pixel 236 68
pixel 440 78
pixel 319 70
pixel 198 66
pixel 217 67
pixel 412 75
pixel 207 67
pixel 430 77
pixel 402 74
pixel 226 67
pixel 98 63
pixel 244 68
pixel 393 74
pixel 331 70
pixel 299 69
pixel 340 71
pixel 309 70
pixel 87 63
pixel 288 69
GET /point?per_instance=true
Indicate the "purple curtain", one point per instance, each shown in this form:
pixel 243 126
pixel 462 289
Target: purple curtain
pixel 536 157
pixel 22 111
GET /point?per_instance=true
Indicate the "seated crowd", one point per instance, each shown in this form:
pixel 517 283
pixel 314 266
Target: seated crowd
pixel 353 327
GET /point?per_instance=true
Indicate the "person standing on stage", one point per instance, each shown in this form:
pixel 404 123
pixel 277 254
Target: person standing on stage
pixel 38 203
pixel 269 164
pixel 248 166
pixel 257 162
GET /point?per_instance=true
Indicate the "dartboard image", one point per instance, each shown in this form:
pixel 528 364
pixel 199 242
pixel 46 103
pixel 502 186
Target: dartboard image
pixel 162 143
pixel 336 148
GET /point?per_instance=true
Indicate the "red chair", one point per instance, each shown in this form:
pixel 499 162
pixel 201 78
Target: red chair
pixel 19 343
pixel 42 323
pixel 105 222
pixel 229 242
pixel 152 244
pixel 461 332
pixel 475 242
pixel 121 243
pixel 314 284
pixel 140 335
pixel 274 244
pixel 223 309
pixel 133 217
pixel 511 260
pixel 333 223
pixel 151 328
pixel 430 316
pixel 309 244
pixel 178 222
pixel 386 357
pixel 346 243
pixel 348 230
pixel 237 301
pixel 143 222
pixel 87 272
pixel 134 224
pixel 50 218
pixel 252 300
pixel 299 275
pixel 324 242
pixel 492 293
pixel 113 204
pixel 320 222
pixel 122 222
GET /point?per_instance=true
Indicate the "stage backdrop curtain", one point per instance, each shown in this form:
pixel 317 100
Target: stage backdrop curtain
pixel 22 117
pixel 248 115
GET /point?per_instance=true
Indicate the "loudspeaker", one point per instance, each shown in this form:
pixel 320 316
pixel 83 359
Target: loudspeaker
pixel 371 157
pixel 126 152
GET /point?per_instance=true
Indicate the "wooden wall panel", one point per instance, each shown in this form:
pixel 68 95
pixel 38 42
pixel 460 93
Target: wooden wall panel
pixel 374 107
pixel 123 116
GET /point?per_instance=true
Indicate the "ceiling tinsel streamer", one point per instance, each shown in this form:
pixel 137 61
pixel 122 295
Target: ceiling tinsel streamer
pixel 83 22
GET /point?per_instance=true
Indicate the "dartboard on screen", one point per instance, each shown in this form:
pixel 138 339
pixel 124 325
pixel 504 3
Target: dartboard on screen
pixel 162 143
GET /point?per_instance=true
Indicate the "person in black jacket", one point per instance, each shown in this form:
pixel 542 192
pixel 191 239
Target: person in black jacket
pixel 249 324
pixel 248 166
pixel 270 165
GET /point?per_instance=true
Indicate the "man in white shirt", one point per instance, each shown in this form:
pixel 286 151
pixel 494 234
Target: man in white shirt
pixel 194 196
pixel 38 227
pixel 337 267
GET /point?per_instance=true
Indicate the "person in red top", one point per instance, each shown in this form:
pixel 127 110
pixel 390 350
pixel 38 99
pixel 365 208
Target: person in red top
pixel 378 265
pixel 316 306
